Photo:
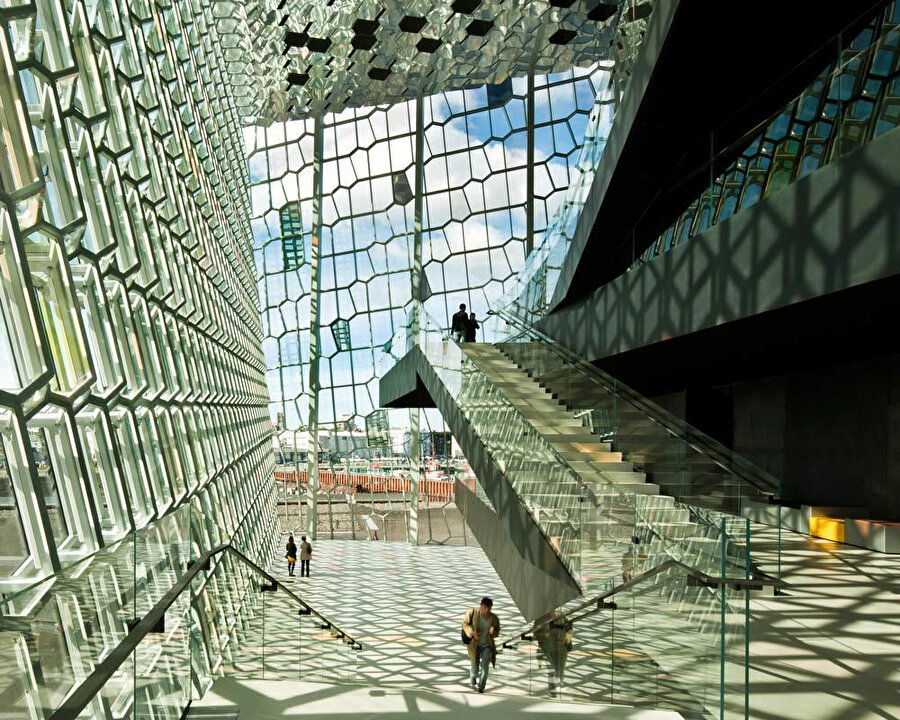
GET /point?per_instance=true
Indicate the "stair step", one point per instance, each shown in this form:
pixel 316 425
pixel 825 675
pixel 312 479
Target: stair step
pixel 595 456
pixel 637 488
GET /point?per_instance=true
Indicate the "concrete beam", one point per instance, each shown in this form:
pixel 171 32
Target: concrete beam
pixel 790 272
pixel 695 99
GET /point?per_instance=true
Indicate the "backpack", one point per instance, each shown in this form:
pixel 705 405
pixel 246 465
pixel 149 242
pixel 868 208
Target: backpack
pixel 462 633
pixel 309 548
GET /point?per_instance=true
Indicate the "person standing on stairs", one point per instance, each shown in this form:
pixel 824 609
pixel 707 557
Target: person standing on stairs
pixel 472 327
pixel 458 324
pixel 291 555
pixel 305 556
pixel 481 627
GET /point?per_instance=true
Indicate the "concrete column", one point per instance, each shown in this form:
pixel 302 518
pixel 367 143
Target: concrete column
pixel 312 459
pixel 415 461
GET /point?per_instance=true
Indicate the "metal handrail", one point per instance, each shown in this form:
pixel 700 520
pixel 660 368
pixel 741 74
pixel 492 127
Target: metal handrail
pixel 82 695
pixel 590 607
pixel 582 486
pixel 760 479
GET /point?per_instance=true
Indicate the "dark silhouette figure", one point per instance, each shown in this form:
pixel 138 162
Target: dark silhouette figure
pixel 472 327
pixel 458 324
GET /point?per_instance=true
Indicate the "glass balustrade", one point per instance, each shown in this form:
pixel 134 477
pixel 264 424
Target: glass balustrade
pixel 217 614
pixel 665 637
pixel 706 479
pixel 548 488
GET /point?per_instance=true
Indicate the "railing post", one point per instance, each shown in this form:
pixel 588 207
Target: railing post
pixel 722 633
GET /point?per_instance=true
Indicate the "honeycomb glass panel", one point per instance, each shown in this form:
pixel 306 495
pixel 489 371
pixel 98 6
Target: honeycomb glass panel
pixel 96 443
pixel 51 433
pixel 134 474
pixel 473 224
pixel 14 541
pixel 21 360
pixel 850 103
pixel 47 480
pixel 60 315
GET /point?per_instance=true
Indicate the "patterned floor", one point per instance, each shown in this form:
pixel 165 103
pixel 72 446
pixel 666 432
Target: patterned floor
pixel 405 604
pixel 827 647
pixel 267 700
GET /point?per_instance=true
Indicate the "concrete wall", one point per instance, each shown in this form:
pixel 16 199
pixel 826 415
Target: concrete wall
pixel 836 229
pixel 831 434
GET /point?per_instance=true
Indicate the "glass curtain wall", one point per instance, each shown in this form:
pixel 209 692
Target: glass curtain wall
pixel 475 228
pixel 853 101
pixel 131 374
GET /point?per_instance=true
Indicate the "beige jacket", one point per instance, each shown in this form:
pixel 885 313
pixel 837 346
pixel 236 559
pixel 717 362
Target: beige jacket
pixel 469 626
pixel 305 554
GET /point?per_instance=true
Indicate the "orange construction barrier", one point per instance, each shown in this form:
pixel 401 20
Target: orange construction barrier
pixel 331 481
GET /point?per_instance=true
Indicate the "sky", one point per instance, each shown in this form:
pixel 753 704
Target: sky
pixel 474 222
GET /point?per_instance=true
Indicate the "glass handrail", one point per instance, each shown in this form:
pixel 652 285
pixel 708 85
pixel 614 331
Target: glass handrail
pixel 597 603
pixel 550 490
pixel 56 633
pixel 707 479
pixel 763 481
pixel 671 637
pixel 597 501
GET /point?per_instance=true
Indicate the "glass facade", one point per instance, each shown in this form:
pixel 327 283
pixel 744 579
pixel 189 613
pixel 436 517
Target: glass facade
pixel 474 227
pixel 853 101
pixel 131 374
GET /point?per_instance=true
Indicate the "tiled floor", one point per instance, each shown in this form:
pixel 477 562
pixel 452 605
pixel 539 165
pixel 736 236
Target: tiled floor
pixel 265 699
pixel 830 647
pixel 405 604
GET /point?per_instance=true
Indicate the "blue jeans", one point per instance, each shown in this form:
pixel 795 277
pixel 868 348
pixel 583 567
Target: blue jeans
pixel 482 656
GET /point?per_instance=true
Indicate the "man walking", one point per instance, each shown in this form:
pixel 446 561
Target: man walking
pixel 305 555
pixel 458 324
pixel 482 627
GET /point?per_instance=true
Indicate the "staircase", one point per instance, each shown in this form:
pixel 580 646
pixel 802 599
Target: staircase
pixel 594 461
pixel 624 505
pixel 681 460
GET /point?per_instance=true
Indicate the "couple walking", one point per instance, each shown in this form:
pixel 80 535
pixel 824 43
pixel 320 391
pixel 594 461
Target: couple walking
pixel 291 555
pixel 463 327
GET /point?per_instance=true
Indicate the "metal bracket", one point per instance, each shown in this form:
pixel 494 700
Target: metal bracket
pixel 205 565
pixel 159 627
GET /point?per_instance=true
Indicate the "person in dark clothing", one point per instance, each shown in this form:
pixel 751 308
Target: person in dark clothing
pixel 472 327
pixel 458 324
pixel 305 556
pixel 291 555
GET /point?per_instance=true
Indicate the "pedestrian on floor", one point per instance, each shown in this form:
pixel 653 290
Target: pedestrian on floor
pixel 305 556
pixel 481 627
pixel 472 327
pixel 291 555
pixel 458 324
